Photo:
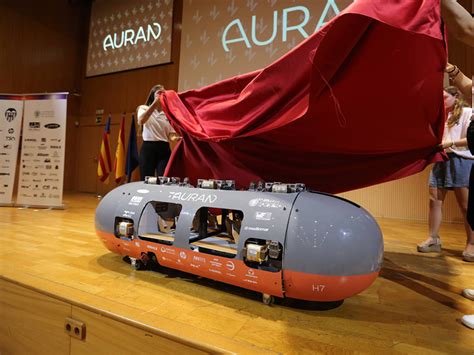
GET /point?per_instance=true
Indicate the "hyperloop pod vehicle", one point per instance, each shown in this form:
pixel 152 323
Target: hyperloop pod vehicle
pixel 277 239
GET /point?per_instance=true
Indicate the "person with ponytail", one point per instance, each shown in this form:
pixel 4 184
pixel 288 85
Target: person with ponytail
pixel 452 174
pixel 157 135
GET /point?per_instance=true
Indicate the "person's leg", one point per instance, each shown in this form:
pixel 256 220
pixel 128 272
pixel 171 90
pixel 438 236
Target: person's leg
pixel 437 197
pixel 468 320
pixel 163 159
pixel 470 204
pixel 433 243
pixel 462 195
pixel 148 159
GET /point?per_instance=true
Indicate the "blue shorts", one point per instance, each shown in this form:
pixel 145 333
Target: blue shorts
pixel 451 174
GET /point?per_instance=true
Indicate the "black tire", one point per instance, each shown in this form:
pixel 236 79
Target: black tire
pixel 267 299
pixel 139 265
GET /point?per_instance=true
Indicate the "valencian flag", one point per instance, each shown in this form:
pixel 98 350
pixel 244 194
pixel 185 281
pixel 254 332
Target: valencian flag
pixel 132 151
pixel 105 161
pixel 119 164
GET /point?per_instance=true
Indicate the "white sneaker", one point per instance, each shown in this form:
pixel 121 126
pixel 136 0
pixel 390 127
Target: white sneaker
pixel 430 245
pixel 468 293
pixel 468 320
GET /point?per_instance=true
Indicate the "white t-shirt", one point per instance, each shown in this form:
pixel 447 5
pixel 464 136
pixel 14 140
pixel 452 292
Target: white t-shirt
pixel 457 132
pixel 157 128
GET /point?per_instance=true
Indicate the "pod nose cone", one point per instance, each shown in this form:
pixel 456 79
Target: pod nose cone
pixel 335 239
pixel 333 236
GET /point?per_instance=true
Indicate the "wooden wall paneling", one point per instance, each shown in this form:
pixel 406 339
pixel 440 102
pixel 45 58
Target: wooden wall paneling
pixel 90 136
pixel 72 119
pixel 41 45
pixel 34 319
pixel 459 53
pixel 123 91
pixel 105 335
pixel 31 323
pixel 70 153
pixel 462 56
pixel 7 52
pixel 87 152
pixel 407 199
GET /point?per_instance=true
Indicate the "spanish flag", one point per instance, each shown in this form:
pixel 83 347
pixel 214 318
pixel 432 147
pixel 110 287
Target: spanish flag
pixel 119 164
pixel 105 161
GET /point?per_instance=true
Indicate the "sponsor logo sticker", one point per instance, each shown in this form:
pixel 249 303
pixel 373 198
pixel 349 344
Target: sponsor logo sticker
pixel 10 114
pixel 135 200
pixel 52 125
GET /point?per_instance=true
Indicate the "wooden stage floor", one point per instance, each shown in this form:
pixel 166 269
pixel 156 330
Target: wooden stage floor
pixel 413 307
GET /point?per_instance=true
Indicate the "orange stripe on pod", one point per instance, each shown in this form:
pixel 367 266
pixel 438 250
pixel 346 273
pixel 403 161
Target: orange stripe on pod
pixel 312 287
pixel 227 270
pixel 110 241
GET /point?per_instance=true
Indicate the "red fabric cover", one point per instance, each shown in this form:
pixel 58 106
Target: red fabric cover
pixel 356 104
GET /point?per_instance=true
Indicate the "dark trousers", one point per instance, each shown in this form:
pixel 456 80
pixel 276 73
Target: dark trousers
pixel 154 156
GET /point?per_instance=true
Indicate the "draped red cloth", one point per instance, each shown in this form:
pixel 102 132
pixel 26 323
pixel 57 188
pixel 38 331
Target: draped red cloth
pixel 358 103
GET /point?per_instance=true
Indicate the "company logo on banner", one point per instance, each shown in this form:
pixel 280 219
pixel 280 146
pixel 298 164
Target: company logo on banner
pixel 10 114
pixel 11 107
pixel 129 34
pixel 43 148
pixel 224 38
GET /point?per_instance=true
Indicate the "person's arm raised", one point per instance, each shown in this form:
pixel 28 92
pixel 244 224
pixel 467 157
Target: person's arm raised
pixel 156 105
pixel 458 20
pixel 461 81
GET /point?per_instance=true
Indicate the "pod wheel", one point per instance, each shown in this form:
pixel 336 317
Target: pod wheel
pixel 153 259
pixel 267 299
pixel 139 265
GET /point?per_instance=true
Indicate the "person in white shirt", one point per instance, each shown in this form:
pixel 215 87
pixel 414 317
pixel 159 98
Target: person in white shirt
pixel 461 25
pixel 468 319
pixel 156 132
pixel 452 174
